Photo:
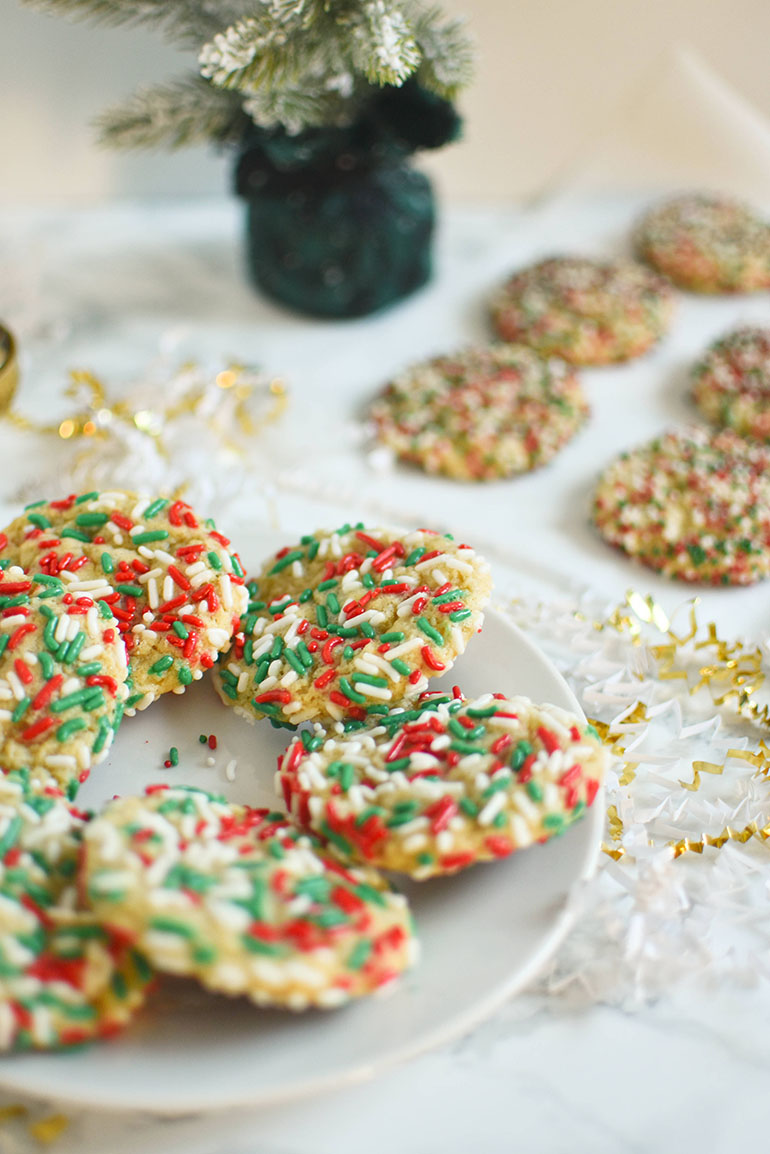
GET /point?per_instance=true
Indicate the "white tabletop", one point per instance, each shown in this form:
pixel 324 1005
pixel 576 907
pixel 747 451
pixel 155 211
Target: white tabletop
pixel 573 1069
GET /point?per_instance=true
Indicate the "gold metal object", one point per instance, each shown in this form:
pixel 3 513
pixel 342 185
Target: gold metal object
pixel 9 369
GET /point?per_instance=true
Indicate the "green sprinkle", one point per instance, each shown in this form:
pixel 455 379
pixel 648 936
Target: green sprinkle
pixel 399 763
pixel 294 662
pixel 130 590
pixel 75 534
pixel 40 520
pixel 102 735
pixel 469 807
pixel 554 821
pixel 89 669
pixel 370 679
pixel 335 838
pixel 268 949
pixel 369 894
pixel 86 497
pixel 173 755
pixel 73 648
pixel 21 709
pixel 482 711
pixel 365 814
pixel 104 609
pixel 34 505
pixel 429 631
pixel 133 700
pixel 161 665
pixel 203 739
pixel 64 732
pixel 9 837
pixel 314 547
pixel 91 520
pixel 71 700
pixel 350 692
pixel 534 789
pixel 333 602
pixel 359 955
pixel 502 781
pixel 322 616
pixel 181 630
pixel 305 656
pixel 215 561
pixel 415 555
pixel 172 926
pixel 520 754
pixel 316 887
pixel 289 559
pixel 4 642
pixel 400 666
pixel 388 637
pixel 47 664
pixel 368 581
pixel 150 535
pixel 465 747
pixel 460 614
pixel 330 584
pixel 155 507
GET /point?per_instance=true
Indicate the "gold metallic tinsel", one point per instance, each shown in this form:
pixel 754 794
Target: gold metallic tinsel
pixel 97 415
pixel 732 675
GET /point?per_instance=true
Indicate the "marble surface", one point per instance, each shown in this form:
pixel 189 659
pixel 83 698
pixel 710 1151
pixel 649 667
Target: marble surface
pixel 556 1069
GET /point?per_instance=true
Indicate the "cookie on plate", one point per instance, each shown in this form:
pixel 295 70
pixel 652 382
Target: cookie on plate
pixel 241 900
pixel 176 590
pixel 435 788
pixel 64 978
pixel 351 619
pixel 481 413
pixel 589 312
pixel 707 244
pixel 62 677
pixel 731 383
pixel 693 504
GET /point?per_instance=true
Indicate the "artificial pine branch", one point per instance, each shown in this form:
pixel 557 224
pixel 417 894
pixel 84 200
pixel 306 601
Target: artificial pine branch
pixel 185 112
pixel 186 22
pixel 448 56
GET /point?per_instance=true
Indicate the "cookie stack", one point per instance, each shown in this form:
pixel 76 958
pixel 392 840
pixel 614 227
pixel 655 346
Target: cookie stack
pixel 109 601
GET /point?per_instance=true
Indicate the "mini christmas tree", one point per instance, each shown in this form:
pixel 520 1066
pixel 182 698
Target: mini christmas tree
pixel 289 64
pixel 324 101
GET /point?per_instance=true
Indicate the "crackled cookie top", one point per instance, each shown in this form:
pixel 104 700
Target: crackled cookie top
pixel 348 620
pixel 707 243
pixel 62 676
pixel 481 413
pixel 434 788
pixel 64 979
pixel 693 504
pixel 588 312
pixel 731 383
pixel 242 900
pixel 169 578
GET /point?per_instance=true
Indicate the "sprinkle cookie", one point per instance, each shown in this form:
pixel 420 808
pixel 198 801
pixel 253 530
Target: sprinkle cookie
pixel 241 900
pixel 174 588
pixel 708 244
pixel 353 619
pixel 436 788
pixel 62 677
pixel 692 504
pixel 64 980
pixel 731 384
pixel 481 414
pixel 588 312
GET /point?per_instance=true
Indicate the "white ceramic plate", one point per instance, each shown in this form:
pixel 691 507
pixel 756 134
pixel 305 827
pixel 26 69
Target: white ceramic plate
pixel 485 933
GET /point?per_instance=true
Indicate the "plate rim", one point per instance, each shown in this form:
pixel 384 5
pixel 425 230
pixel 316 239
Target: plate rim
pixel 456 1027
